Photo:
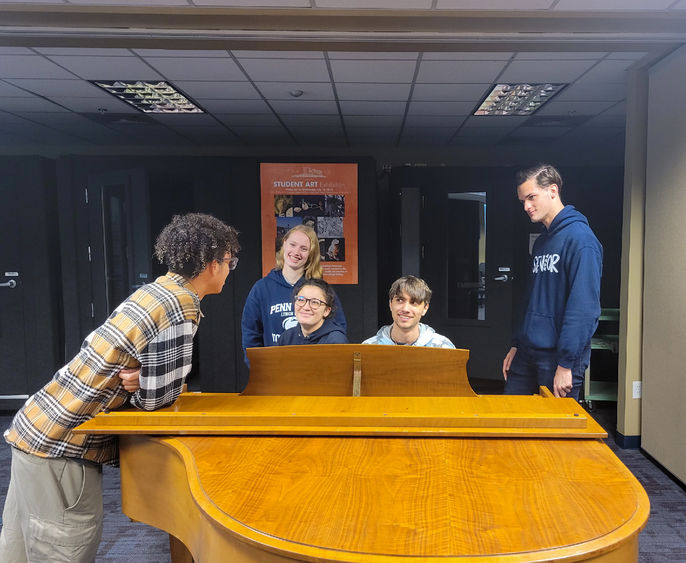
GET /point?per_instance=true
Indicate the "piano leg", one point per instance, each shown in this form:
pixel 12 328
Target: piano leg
pixel 179 552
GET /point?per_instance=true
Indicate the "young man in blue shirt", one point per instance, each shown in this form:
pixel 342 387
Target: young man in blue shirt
pixel 552 346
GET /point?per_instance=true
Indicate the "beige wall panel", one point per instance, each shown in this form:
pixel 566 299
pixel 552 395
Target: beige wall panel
pixel 664 336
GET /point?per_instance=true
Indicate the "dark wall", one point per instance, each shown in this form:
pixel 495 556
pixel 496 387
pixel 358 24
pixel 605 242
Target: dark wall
pixel 30 247
pixel 229 188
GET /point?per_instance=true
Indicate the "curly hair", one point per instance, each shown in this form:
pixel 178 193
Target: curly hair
pixel 313 267
pixel 191 241
pixel 327 290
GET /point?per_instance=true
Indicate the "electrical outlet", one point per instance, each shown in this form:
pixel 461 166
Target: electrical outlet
pixel 636 393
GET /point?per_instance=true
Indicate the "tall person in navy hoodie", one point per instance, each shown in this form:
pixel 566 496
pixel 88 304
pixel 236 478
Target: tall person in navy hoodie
pixel 552 346
pixel 314 306
pixel 268 310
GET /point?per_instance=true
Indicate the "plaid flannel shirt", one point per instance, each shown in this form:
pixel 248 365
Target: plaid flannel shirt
pixel 153 329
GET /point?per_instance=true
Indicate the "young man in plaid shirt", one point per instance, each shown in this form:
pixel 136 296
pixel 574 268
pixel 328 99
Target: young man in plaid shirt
pixel 53 510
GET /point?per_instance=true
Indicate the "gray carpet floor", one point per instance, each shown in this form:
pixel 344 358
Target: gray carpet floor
pixel 662 540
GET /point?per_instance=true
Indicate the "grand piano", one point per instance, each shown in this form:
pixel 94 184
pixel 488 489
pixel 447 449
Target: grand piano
pixel 375 454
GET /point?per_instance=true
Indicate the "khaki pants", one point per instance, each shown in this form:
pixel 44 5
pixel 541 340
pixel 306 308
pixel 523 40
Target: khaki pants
pixel 53 511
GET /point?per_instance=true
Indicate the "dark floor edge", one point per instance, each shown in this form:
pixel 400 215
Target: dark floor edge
pixel 627 442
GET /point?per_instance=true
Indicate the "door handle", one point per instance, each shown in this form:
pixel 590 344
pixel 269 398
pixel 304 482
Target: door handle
pixel 11 284
pixel 502 278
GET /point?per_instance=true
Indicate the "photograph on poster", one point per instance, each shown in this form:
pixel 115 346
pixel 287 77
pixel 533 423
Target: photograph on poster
pixel 329 227
pixel 332 249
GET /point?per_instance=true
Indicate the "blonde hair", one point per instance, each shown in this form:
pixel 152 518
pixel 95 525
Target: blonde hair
pixel 313 267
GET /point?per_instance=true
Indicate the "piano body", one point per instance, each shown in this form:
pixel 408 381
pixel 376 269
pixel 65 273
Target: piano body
pixel 375 454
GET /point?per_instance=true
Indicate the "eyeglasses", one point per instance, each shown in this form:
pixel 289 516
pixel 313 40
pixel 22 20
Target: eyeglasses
pixel 313 301
pixel 232 262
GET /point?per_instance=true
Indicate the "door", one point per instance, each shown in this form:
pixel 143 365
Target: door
pixel 12 346
pixel 466 238
pixel 119 233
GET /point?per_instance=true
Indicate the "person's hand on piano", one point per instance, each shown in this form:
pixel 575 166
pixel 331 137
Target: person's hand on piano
pixel 562 383
pixel 507 362
pixel 130 379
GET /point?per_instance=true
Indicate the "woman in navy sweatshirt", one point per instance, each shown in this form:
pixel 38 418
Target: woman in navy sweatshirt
pixel 268 310
pixel 314 307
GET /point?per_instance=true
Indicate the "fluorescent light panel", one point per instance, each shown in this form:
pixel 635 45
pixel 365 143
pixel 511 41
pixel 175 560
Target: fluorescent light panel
pixel 517 99
pixel 149 97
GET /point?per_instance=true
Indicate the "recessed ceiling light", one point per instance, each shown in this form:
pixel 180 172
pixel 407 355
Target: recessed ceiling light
pixel 149 97
pixel 517 99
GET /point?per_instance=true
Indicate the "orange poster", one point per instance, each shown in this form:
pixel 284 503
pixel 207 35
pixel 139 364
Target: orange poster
pixel 323 196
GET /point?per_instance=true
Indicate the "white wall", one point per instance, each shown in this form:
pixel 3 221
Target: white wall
pixel 664 329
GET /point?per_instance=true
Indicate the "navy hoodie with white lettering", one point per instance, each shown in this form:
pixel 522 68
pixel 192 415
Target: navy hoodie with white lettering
pixel 564 289
pixel 268 312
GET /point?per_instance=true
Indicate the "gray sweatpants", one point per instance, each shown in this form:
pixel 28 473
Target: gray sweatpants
pixel 53 510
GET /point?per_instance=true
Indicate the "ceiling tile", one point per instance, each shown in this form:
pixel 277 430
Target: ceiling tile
pixel 310 90
pixel 217 90
pixel 95 105
pixel 434 121
pixel 196 68
pixel 454 72
pixel 25 104
pixel 184 54
pixel 502 121
pixel 251 120
pixel 539 132
pixel 233 106
pixel 255 3
pixel 287 70
pixel 608 71
pixel 372 92
pixel 442 108
pixel 560 71
pixel 370 56
pixel 373 71
pixel 304 107
pixel 450 92
pixel 554 107
pixel 30 66
pixel 262 133
pixel 628 55
pixel 59 87
pixel 493 4
pixel 559 56
pixel 380 4
pixel 240 54
pixel 311 121
pixel 623 5
pixel 466 56
pixel 8 89
pixel 370 121
pixel 591 91
pixel 372 108
pixel 84 51
pixel 15 51
pixel 106 68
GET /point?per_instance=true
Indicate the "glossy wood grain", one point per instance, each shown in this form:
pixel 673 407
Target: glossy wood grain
pixel 492 415
pixel 385 499
pixel 386 371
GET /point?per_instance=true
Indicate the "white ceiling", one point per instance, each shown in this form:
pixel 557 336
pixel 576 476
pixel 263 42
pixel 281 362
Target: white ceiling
pixel 373 79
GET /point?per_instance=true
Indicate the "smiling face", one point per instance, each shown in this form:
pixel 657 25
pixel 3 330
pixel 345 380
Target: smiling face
pixel 311 317
pixel 407 312
pixel 296 250
pixel 540 204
